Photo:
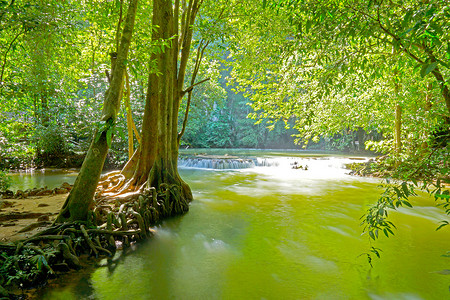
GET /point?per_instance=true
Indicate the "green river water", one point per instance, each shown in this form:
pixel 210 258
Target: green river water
pixel 274 233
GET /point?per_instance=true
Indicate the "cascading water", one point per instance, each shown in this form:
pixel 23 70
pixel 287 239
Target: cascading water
pixel 217 163
pixel 230 163
pixel 225 163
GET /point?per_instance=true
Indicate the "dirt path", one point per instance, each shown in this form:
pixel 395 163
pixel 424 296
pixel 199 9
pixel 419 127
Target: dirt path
pixel 16 214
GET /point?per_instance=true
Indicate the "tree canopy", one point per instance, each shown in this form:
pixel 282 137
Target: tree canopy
pixel 126 83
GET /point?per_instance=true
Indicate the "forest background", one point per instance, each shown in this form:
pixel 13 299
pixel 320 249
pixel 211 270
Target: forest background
pixel 333 75
pixel 330 75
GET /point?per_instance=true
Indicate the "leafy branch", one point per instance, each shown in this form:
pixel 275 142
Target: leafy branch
pixel 106 128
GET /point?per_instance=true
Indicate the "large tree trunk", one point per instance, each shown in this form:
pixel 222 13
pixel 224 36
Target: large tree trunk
pixel 155 163
pixel 80 199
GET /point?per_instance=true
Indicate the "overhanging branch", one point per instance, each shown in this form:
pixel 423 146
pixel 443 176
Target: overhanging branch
pixel 189 89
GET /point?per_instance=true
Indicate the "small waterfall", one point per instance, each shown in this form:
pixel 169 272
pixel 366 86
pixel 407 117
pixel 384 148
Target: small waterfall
pixel 266 162
pixel 216 163
pixel 233 162
pixel 221 163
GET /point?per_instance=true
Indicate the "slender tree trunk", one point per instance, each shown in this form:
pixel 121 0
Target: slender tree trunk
pixel 444 87
pixel 129 116
pixel 167 100
pixel 398 129
pixel 80 199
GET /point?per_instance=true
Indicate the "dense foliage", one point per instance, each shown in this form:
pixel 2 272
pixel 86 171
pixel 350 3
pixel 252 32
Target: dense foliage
pixel 345 74
pixel 5 181
pixel 377 68
pixel 54 59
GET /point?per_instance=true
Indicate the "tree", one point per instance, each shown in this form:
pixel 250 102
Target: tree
pixel 79 201
pixel 154 163
pixel 344 65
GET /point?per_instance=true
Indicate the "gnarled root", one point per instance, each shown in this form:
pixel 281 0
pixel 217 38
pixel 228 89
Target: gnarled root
pixel 116 221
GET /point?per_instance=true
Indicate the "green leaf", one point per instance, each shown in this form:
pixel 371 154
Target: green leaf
pixel 405 188
pixel 443 196
pixel 427 68
pixel 392 224
pixel 308 26
pixel 97 136
pixel 390 231
pixel 109 136
pixel 375 250
pixel 444 223
pixel 398 192
pixel 406 203
pixel 406 32
pixel 448 50
pixel 407 18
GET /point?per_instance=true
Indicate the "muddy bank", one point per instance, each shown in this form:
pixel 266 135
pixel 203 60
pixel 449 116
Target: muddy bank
pixel 17 214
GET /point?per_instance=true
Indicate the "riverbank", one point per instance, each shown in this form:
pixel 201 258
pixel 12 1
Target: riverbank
pixel 17 215
pixel 35 250
pixel 378 169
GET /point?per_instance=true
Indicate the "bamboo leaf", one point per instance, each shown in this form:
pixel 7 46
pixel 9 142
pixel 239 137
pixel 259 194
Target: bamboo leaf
pixel 405 188
pixel 390 231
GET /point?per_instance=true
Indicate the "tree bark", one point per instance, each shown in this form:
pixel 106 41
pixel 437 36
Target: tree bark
pixel 155 163
pixel 444 87
pixel 398 129
pixel 129 116
pixel 80 199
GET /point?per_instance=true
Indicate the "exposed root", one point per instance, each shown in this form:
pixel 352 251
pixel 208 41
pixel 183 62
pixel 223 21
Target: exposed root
pixel 108 175
pixel 117 221
pixel 124 212
pixel 112 183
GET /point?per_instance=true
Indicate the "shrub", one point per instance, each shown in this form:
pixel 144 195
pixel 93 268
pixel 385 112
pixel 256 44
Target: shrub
pixel 5 181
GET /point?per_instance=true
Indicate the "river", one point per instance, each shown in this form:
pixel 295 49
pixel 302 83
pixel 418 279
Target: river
pixel 273 232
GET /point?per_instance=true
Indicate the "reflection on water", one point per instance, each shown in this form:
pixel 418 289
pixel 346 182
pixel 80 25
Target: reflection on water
pixel 277 233
pixel 49 178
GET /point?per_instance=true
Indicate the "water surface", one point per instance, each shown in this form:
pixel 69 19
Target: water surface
pixel 276 233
